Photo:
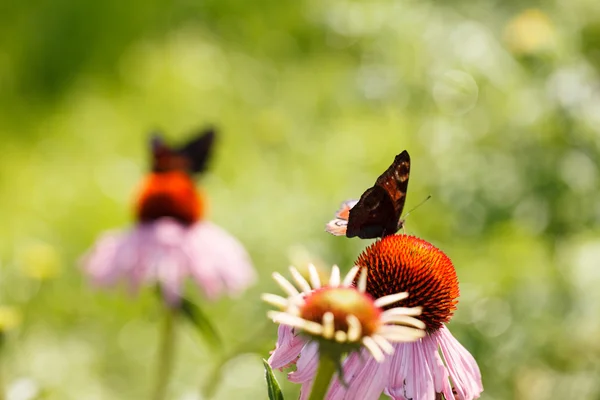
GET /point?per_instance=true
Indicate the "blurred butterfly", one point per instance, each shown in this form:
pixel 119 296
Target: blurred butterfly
pixel 377 213
pixel 192 157
pixel 169 190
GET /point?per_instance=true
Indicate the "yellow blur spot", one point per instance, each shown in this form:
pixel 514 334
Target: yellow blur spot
pixel 10 318
pixel 529 32
pixel 39 260
pixel 300 258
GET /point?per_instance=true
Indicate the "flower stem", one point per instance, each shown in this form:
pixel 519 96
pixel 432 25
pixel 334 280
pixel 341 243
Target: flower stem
pixel 2 387
pixel 325 371
pixel 166 354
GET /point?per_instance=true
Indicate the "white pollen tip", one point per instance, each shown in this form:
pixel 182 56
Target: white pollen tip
pixel 334 280
pixel 340 336
pixel 354 328
pixel 390 299
pixel 410 311
pixel 362 281
pixel 350 276
pixel 403 320
pixel 274 315
pixel 328 325
pixel 296 322
pixel 384 344
pixel 401 333
pixel 315 281
pixel 373 348
pixel 285 284
pixel 313 327
pixel 302 283
pixel 275 300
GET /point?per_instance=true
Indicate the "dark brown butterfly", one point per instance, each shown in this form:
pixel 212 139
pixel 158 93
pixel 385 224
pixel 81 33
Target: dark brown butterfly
pixel 191 157
pixel 169 190
pixel 378 212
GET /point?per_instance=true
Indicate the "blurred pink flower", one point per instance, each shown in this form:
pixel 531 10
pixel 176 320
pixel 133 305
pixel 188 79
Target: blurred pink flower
pixel 166 252
pixel 434 367
pixel 171 241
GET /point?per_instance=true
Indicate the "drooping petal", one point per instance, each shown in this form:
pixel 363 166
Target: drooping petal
pixel 419 381
pixel 166 252
pixel 439 371
pixel 417 372
pixel 305 390
pixel 288 347
pixel 99 263
pixel 218 260
pixel 171 274
pixel 306 366
pixel 138 256
pixel 366 378
pixel 462 367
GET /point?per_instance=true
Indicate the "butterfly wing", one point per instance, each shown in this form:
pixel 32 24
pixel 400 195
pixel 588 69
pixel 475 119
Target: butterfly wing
pixel 373 216
pixel 162 156
pixel 377 213
pixel 338 225
pixel 395 182
pixel 198 150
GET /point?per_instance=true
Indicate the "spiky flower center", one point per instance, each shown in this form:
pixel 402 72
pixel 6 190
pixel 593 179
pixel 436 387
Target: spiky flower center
pixel 342 302
pixel 402 263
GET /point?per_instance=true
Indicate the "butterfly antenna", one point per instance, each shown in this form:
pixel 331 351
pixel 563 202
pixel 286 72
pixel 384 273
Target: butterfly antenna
pixel 417 206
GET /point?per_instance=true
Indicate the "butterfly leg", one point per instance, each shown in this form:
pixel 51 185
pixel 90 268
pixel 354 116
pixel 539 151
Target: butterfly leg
pixel 402 226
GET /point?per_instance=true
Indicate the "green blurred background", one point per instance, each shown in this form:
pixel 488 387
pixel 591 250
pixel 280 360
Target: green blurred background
pixel 498 104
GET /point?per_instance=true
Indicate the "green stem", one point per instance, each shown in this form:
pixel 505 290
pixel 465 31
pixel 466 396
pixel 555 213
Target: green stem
pixel 166 354
pixel 325 371
pixel 2 387
pixel 252 345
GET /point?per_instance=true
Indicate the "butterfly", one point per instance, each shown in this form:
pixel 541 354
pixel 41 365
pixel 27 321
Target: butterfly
pixel 169 190
pixel 192 157
pixel 377 213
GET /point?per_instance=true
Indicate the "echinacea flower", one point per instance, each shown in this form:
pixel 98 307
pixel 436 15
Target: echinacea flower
pixel 171 241
pixel 434 367
pixel 337 318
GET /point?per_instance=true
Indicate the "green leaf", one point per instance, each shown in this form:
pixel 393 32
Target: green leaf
pixel 194 314
pixel 272 384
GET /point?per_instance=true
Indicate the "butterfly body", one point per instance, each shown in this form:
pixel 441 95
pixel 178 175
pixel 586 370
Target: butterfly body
pixel 377 213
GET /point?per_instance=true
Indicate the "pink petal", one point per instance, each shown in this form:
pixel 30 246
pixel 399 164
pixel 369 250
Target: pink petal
pixel 462 367
pixel 440 373
pixel 99 264
pixel 170 275
pixel 287 349
pixel 366 378
pixel 166 252
pixel 305 390
pixel 418 376
pixel 218 261
pixel 415 372
pixel 306 366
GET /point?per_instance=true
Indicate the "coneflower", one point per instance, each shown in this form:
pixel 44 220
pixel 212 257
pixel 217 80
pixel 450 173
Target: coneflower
pixel 171 239
pixel 170 242
pixel 323 323
pixel 433 367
